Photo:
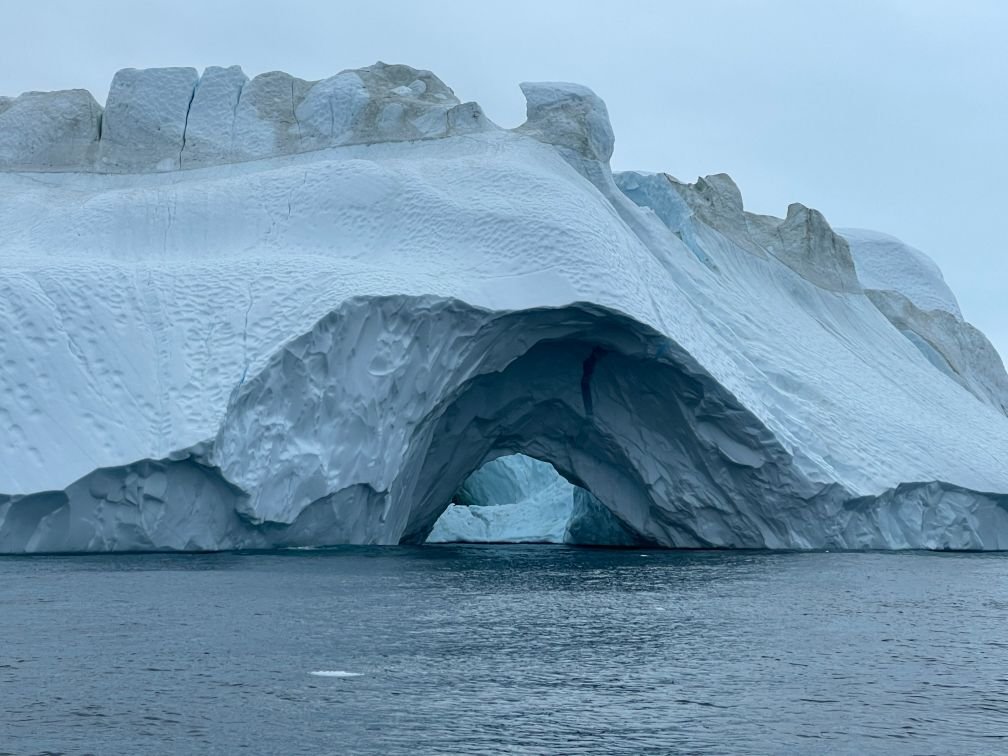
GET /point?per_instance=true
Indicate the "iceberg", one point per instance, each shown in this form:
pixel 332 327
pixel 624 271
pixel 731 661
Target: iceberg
pixel 269 312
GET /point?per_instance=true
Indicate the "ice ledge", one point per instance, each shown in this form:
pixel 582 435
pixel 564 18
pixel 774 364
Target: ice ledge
pixel 163 119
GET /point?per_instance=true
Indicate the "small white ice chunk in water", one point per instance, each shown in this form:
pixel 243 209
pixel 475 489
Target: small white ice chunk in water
pixel 335 673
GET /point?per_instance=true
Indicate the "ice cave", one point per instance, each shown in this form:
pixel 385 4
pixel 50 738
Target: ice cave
pixel 257 313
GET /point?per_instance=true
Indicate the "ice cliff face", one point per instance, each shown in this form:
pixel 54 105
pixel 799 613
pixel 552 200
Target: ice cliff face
pixel 253 313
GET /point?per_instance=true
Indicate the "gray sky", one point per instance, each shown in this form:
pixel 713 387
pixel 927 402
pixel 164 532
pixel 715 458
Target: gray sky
pixel 888 114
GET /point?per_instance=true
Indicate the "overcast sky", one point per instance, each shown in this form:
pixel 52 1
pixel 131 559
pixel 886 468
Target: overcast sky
pixel 888 114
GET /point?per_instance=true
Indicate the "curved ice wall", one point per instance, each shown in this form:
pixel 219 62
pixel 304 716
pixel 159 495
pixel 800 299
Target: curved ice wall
pixel 244 313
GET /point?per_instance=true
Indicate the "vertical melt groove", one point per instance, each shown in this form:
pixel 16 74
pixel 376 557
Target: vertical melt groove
pixel 589 367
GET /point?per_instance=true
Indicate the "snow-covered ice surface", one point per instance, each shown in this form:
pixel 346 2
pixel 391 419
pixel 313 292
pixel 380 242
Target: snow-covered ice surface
pixel 284 313
pixel 884 263
pixel 908 288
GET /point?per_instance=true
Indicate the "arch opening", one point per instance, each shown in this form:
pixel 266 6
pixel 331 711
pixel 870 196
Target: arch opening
pixel 542 406
pixel 520 499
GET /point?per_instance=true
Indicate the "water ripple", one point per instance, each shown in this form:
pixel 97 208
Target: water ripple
pixel 471 650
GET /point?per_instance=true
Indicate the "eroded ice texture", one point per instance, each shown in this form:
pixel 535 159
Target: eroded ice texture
pixel 269 312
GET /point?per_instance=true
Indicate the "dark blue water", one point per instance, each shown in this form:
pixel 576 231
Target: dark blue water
pixel 518 649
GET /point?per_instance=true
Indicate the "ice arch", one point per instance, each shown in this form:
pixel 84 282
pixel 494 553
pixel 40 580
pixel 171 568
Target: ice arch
pixel 359 431
pixel 378 414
